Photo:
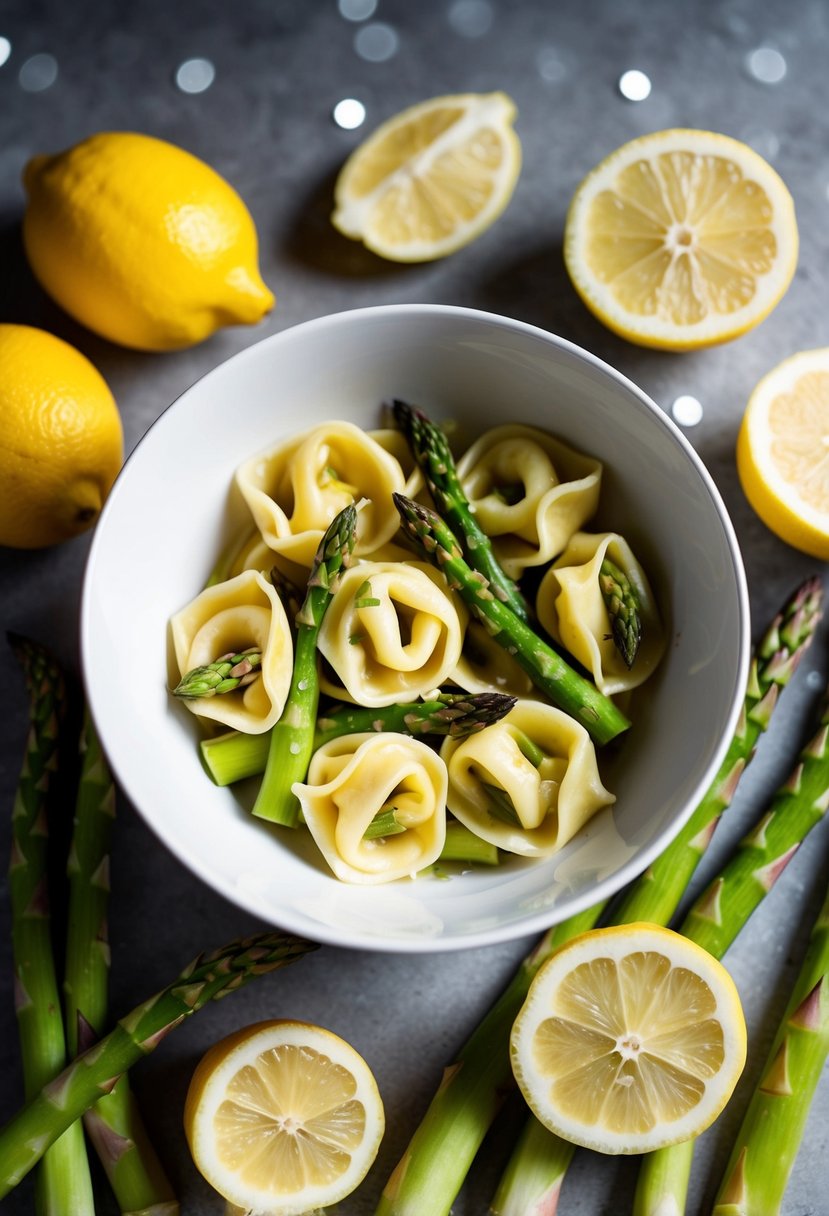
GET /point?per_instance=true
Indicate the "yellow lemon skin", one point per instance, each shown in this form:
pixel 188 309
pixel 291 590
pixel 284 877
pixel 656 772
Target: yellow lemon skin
pixel 779 516
pixel 142 242
pixel 61 443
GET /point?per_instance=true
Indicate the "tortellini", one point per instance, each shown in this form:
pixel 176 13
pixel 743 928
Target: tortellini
pixel 527 783
pixel 392 632
pixel 571 608
pixel 295 489
pixel 484 666
pixel 253 554
pixel 354 778
pixel 530 492
pixel 228 618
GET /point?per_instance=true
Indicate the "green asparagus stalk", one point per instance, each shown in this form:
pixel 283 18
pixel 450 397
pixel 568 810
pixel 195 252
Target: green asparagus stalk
pixel 63 1185
pixel 431 450
pixel 289 594
pixel 535 1173
pixel 437 1160
pixel 114 1125
pixel 622 605
pixel 292 739
pixel 766 1145
pixel 463 845
pixel 548 670
pixel 726 905
pixel 227 673
pixel 655 895
pixel 233 755
pixel 28 1134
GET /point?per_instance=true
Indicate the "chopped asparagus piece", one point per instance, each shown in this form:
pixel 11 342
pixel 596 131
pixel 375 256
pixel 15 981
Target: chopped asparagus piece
pixel 292 739
pixel 431 450
pixel 226 674
pixel 547 669
pixel 622 605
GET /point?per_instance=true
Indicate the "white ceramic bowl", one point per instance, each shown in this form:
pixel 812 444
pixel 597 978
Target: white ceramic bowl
pixel 171 511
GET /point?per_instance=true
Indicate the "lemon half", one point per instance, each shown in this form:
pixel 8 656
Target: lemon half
pixel 432 178
pixel 681 239
pixel 630 1039
pixel 283 1118
pixel 783 451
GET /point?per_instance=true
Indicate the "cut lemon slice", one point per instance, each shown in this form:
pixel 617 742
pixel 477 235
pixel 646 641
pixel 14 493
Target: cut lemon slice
pixel 783 451
pixel 431 178
pixel 630 1038
pixel 282 1118
pixel 681 239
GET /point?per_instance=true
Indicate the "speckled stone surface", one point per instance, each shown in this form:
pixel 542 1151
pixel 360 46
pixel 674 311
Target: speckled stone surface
pixel 265 123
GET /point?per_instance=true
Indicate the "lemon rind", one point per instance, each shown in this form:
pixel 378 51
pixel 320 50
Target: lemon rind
pixel 656 333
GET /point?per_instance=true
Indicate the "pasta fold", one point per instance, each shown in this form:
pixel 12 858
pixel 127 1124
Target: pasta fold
pixel 392 632
pixel 354 778
pixel 484 666
pixel 529 491
pixel 295 489
pixel 227 618
pixel 527 783
pixel 571 608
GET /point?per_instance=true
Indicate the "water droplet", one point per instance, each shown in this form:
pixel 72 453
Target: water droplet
pixel 551 67
pixel 39 72
pixel 195 75
pixel 471 18
pixel 687 410
pixel 5 50
pixel 294 749
pixel 634 85
pixel 376 42
pixel 766 65
pixel 815 680
pixel 349 113
pixel 357 10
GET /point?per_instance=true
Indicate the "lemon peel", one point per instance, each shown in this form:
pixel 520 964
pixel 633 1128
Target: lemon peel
pixel 631 1038
pixel 432 178
pixel 283 1117
pixel 61 443
pixel 142 242
pixel 681 239
pixel 783 451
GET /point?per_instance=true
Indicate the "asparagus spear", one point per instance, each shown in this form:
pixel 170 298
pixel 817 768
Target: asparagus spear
pixel 233 755
pixel 114 1125
pixel 63 1184
pixel 725 906
pixel 441 1151
pixel 431 1171
pixel 766 1145
pixel 622 605
pixel 463 845
pixel 564 686
pixel 30 1132
pixel 292 739
pixel 536 1171
pixel 431 450
pixel 656 894
pixel 227 673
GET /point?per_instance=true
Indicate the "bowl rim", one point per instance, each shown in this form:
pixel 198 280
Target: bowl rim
pixel 535 923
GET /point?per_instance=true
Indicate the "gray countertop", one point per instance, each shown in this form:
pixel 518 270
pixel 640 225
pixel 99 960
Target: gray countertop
pixel 266 124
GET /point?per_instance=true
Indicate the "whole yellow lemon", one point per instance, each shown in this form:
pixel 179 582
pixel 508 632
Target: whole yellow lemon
pixel 61 443
pixel 142 242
